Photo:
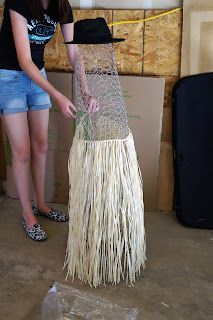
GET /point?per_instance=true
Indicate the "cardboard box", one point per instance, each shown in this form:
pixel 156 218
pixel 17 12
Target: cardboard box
pixel 166 178
pixel 144 102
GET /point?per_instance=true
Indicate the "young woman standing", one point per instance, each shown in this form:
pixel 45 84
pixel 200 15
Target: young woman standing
pixel 25 94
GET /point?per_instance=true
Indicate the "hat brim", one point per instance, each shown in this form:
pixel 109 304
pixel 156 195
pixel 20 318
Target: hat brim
pixel 94 41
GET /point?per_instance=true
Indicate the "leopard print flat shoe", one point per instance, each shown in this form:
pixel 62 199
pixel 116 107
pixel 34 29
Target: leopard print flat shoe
pixel 55 215
pixel 35 232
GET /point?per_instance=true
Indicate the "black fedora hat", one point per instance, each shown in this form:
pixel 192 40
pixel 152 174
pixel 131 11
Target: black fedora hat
pixel 92 31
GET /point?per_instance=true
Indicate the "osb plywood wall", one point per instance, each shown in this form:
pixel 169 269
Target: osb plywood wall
pixel 151 49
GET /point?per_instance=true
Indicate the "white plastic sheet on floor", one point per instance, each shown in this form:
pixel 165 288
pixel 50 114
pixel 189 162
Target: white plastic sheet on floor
pixel 66 303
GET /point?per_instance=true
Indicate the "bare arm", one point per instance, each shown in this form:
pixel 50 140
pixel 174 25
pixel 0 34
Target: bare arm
pixel 77 62
pixel 75 57
pixel 20 34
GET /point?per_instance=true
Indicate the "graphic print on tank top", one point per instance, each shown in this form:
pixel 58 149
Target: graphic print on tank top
pixel 40 32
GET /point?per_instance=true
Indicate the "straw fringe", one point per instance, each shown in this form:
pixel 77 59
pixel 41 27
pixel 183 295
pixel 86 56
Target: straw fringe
pixel 106 241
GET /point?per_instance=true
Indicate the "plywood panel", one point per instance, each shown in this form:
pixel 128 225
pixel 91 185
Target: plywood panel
pixel 92 14
pixel 159 46
pixel 51 54
pixel 162 44
pixel 166 178
pixel 63 63
pixel 170 82
pixel 167 125
pixel 129 52
pixel 56 52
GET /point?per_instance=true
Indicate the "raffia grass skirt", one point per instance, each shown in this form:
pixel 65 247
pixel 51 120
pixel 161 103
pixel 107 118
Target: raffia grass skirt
pixel 106 240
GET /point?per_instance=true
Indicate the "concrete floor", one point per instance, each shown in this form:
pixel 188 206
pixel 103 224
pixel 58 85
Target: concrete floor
pixel 177 283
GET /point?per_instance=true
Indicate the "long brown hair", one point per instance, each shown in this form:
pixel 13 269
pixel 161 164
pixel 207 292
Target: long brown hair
pixel 57 8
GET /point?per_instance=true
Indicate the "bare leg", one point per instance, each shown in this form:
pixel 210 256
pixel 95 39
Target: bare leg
pixel 16 125
pixel 38 124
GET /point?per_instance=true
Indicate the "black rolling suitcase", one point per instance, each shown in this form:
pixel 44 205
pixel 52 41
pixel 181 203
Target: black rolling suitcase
pixel 192 130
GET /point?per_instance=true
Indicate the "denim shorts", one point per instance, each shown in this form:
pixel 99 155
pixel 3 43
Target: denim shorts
pixel 18 93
